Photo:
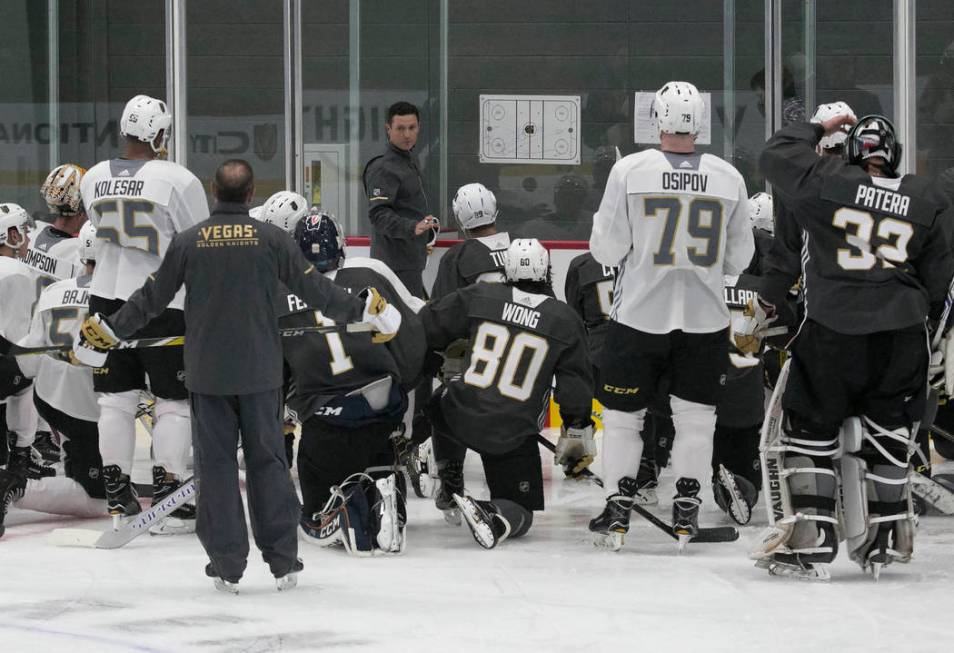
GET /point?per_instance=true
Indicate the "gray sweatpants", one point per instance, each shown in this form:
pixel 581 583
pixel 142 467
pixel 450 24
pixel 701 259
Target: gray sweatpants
pixel 217 421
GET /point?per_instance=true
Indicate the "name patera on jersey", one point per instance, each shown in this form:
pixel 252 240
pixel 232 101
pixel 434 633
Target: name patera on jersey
pixel 118 187
pixel 881 199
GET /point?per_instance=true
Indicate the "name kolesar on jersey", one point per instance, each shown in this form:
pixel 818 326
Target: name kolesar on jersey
pixel 122 187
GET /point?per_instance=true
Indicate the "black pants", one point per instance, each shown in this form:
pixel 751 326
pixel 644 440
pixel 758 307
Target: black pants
pixel 328 454
pixel 272 502
pixel 81 461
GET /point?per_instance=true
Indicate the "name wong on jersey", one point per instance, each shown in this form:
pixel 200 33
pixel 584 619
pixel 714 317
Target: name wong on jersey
pixel 520 315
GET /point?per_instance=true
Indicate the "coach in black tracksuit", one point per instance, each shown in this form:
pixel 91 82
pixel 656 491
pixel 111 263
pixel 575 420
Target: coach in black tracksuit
pixel 231 266
pixel 398 210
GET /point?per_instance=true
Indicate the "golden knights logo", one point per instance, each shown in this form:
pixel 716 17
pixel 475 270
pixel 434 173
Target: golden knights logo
pixel 266 141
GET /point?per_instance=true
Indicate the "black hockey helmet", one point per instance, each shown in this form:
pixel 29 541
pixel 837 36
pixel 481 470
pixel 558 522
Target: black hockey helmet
pixel 321 240
pixel 873 135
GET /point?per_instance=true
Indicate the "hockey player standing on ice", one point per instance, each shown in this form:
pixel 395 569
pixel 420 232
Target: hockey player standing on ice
pixel 138 202
pixel 232 267
pixel 675 222
pixel 521 338
pixel 350 393
pixel 64 397
pixel 17 295
pixel 877 262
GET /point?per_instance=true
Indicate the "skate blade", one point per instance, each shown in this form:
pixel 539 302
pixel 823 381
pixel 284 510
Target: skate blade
pixel 287 582
pixel 612 541
pixel 481 531
pixel 818 572
pixel 82 537
pixel 876 568
pixel 452 517
pixel 226 586
pixel 683 542
pixel 173 526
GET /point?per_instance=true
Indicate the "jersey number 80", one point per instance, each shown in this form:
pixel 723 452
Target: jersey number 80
pixel 493 343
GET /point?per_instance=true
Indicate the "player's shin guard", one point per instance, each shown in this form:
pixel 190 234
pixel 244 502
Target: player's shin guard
pixel 117 428
pixel 876 491
pixel 622 446
pixel 692 444
pixel 172 436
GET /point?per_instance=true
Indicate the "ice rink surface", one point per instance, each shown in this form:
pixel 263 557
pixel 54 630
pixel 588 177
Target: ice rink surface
pixel 550 591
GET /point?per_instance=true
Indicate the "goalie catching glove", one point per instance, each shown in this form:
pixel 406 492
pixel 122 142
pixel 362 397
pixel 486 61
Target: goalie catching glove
pixel 576 449
pixel 759 316
pixel 384 318
pixel 96 338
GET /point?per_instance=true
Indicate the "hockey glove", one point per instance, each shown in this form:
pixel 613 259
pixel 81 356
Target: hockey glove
pixel 96 337
pixel 384 318
pixel 576 449
pixel 759 315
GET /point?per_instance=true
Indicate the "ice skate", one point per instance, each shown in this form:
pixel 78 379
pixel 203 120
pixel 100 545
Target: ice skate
pixel 422 470
pixel 735 495
pixel 612 524
pixel 808 563
pixel 452 482
pixel 221 584
pixel 488 527
pixel 290 580
pixel 182 520
pixel 47 445
pixel 12 486
pixel 121 499
pixel 388 516
pixel 28 462
pixel 685 511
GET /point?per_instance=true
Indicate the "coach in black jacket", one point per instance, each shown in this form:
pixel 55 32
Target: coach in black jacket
pixel 397 206
pixel 231 266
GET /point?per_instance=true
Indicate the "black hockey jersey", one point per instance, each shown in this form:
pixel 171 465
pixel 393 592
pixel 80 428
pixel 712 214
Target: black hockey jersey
pixel 876 252
pixel 473 260
pixel 519 342
pixel 743 402
pixel 324 366
pixel 589 292
pixel 763 244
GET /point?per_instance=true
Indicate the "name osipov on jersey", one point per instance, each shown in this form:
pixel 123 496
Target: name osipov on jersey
pixel 113 187
pixel 692 181
pixel 520 315
pixel 882 199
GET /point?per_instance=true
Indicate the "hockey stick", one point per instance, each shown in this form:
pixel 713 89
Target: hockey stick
pixel 131 529
pixel 9 348
pixel 948 301
pixel 703 535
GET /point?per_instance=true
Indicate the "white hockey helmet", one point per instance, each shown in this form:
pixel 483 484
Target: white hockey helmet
pixel 284 209
pixel 61 190
pixel 144 118
pixel 527 260
pixel 677 109
pixel 761 212
pixel 474 206
pixel 87 243
pixel 255 213
pixel 13 216
pixel 827 112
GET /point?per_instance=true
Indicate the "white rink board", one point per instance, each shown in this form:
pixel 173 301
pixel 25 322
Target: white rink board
pixel 549 592
pixel 539 129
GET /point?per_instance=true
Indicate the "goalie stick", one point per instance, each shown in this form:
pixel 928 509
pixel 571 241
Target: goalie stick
pixel 704 535
pixel 12 349
pixel 131 529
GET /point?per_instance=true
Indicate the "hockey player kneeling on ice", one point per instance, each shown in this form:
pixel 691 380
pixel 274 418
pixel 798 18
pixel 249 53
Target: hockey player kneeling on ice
pixel 877 264
pixel 674 221
pixel 520 339
pixel 64 397
pixel 350 394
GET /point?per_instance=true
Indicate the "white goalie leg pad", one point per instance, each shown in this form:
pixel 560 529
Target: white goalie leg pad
pixel 387 518
pixel 59 495
pixel 622 446
pixel 172 436
pixel 117 428
pixel 22 417
pixel 692 445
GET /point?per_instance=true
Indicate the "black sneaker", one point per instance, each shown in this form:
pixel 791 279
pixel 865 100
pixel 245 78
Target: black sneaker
pixel 228 585
pixel 12 486
pixel 48 446
pixel 612 524
pixel 121 498
pixel 451 473
pixel 685 510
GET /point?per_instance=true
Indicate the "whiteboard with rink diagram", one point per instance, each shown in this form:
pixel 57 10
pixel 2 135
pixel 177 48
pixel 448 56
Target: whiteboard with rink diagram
pixel 541 129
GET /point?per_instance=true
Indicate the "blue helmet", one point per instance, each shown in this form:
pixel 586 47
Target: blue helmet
pixel 321 240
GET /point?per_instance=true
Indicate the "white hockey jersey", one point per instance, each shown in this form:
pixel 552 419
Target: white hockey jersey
pixel 17 294
pixel 53 254
pixel 674 224
pixel 137 207
pixel 59 312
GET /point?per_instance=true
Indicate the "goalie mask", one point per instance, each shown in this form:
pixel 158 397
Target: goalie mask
pixel 61 190
pixel 873 136
pixel 474 206
pixel 761 211
pixel 321 240
pixel 87 240
pixel 13 216
pixel 144 119
pixel 677 109
pixel 284 209
pixel 527 260
pixel 827 112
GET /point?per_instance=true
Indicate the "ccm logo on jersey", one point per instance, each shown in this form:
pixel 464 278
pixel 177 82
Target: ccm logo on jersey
pixel 881 199
pixel 520 315
pixel 692 181
pixel 329 410
pixel 616 390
